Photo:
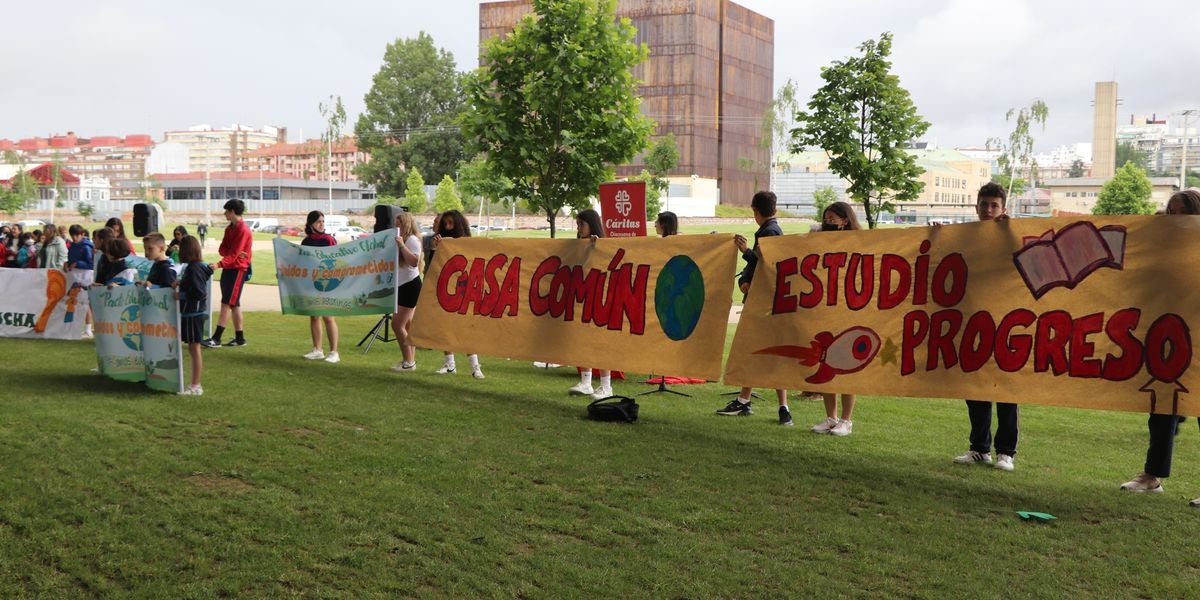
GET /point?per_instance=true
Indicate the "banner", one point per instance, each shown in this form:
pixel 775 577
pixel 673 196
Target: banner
pixel 40 303
pixel 137 335
pixel 649 305
pixel 118 323
pixel 355 278
pixel 623 209
pixel 1086 312
pixel 161 349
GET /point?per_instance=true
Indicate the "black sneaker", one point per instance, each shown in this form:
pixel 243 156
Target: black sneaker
pixel 210 343
pixel 736 408
pixel 236 343
pixel 785 416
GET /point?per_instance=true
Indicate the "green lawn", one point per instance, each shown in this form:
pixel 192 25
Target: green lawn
pixel 289 478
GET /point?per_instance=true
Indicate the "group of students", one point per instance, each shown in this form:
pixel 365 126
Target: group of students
pixel 991 205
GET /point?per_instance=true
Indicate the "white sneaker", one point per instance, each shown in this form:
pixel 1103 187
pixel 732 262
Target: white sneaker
pixel 1004 462
pixel 581 389
pixel 843 428
pixel 1144 482
pixel 87 335
pixel 602 392
pixel 403 367
pixel 445 370
pixel 192 390
pixel 316 354
pixel 972 457
pixel 825 426
pixel 477 373
pixel 333 358
pixel 546 365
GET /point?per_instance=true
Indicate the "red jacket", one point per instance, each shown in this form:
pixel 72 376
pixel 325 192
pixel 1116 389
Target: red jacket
pixel 237 239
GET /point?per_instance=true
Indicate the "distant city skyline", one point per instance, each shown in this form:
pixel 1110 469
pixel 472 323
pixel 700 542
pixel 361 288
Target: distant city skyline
pixel 119 67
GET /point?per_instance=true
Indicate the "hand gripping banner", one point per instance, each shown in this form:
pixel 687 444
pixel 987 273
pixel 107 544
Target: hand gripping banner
pixel 648 305
pixel 1090 312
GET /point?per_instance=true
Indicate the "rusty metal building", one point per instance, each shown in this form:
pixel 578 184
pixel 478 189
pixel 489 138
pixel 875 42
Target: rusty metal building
pixel 709 79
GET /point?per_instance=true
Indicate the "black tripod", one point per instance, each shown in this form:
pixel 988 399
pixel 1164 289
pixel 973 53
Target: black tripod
pixel 663 389
pixel 385 323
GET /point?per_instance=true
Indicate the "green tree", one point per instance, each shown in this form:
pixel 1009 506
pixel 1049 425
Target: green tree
pixel 22 189
pixel 777 125
pixel 662 157
pixel 446 197
pixel 414 191
pixel 1127 193
pixel 863 119
pixel 555 106
pixel 85 210
pixel 1017 151
pixel 1016 186
pixel 335 119
pixel 1128 153
pixel 410 110
pixel 822 198
pixel 1076 169
pixel 477 179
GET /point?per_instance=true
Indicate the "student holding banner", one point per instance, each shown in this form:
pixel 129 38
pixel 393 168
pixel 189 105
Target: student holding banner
pixel 990 205
pixel 763 205
pixel 408 288
pixel 1162 427
pixel 192 293
pixel 667 224
pixel 838 216
pixel 589 227
pixel 314 235
pixel 452 224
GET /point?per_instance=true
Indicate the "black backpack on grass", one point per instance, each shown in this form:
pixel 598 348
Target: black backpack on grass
pixel 617 408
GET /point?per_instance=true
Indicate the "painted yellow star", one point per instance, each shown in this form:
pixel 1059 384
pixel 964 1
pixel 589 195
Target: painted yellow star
pixel 888 353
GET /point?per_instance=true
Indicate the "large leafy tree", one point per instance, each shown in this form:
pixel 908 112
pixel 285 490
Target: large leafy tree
pixel 446 197
pixel 863 119
pixel 411 108
pixel 555 106
pixel 777 124
pixel 1127 193
pixel 1128 153
pixel 1016 156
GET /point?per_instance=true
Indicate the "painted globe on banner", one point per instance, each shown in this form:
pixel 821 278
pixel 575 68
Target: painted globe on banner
pixel 131 324
pixel 679 297
pixel 324 281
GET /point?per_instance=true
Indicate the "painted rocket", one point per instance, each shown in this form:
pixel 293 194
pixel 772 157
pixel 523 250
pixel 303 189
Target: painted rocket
pixel 849 352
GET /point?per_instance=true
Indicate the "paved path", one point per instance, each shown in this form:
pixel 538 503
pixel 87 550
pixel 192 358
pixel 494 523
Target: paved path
pixel 266 298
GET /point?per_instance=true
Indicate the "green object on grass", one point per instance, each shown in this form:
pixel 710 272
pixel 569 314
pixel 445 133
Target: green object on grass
pixel 1036 516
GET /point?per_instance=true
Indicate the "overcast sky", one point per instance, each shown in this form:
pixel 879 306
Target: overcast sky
pixel 116 67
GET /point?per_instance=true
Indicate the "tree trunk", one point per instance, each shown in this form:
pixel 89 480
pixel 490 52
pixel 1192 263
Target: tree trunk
pixel 550 218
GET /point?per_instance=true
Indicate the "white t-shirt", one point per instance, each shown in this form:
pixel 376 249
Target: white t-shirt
pixel 405 273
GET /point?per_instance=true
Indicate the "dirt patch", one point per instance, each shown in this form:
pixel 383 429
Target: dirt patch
pixel 223 483
pixel 303 432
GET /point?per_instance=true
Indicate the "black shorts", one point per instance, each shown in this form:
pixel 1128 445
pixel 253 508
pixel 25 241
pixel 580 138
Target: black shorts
pixel 232 282
pixel 407 294
pixel 192 330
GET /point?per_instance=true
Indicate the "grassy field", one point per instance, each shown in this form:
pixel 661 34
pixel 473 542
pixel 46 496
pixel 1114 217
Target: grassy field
pixel 289 478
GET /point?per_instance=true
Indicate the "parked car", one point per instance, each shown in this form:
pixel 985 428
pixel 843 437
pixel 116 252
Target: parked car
pixel 288 230
pixel 345 234
pixel 29 223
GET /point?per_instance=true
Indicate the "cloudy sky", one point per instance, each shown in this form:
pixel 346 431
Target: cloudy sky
pixel 116 67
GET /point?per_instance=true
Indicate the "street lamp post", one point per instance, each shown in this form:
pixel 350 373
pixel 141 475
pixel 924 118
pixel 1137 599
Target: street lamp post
pixel 1183 152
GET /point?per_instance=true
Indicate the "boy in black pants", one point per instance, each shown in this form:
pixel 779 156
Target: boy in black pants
pixel 990 204
pixel 763 205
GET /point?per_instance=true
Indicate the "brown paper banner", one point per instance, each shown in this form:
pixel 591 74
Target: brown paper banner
pixel 1091 312
pixel 646 305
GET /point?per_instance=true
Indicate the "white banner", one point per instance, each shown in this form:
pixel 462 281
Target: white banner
pixel 40 303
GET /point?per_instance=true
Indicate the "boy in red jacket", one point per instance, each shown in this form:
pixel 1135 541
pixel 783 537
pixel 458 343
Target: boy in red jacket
pixel 235 262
